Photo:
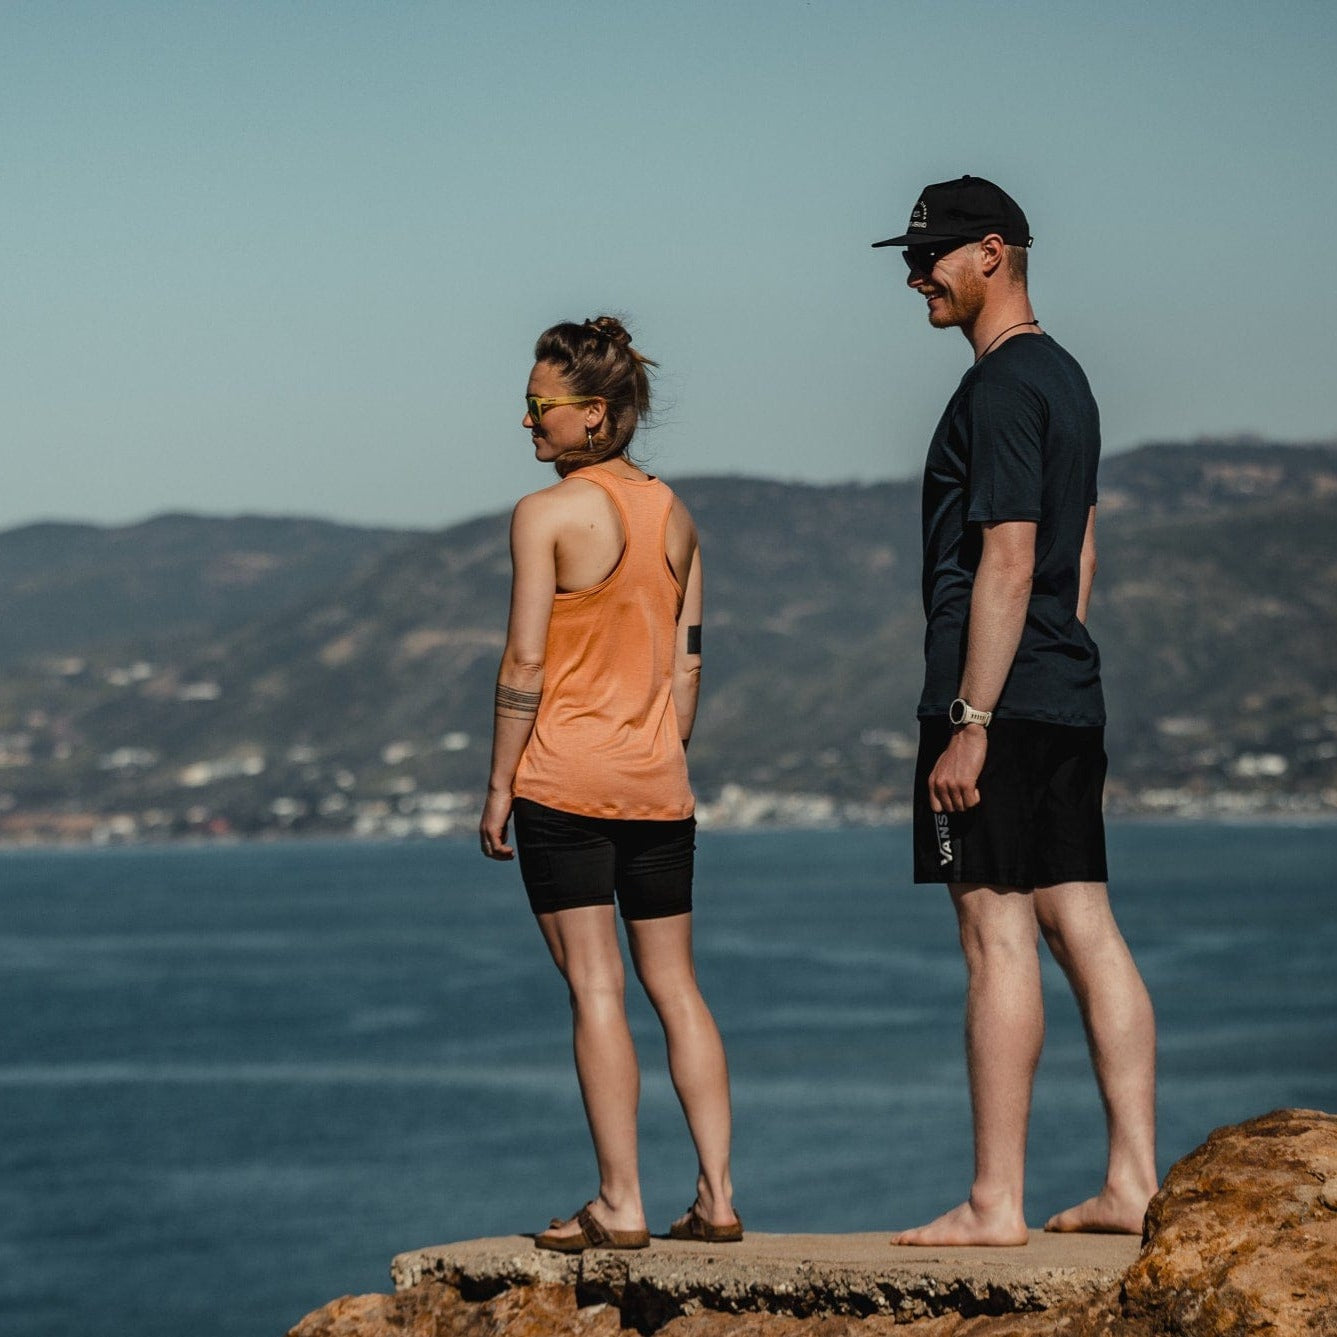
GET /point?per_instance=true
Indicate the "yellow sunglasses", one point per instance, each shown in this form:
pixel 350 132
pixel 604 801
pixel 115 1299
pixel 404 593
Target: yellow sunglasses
pixel 538 405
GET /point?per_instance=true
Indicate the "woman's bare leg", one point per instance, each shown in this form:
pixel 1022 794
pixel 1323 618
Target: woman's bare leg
pixel 661 950
pixel 584 944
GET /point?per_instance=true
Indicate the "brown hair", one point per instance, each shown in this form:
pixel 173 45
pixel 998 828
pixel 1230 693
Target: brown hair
pixel 596 359
pixel 1017 257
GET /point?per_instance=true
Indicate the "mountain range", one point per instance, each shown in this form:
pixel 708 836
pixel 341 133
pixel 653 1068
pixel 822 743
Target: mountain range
pixel 254 674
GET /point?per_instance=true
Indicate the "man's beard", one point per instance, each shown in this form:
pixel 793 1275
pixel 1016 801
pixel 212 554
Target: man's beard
pixel 959 305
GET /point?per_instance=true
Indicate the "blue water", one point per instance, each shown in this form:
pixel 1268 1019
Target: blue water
pixel 235 1081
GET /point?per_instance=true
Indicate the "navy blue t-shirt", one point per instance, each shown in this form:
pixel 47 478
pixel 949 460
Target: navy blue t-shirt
pixel 1019 440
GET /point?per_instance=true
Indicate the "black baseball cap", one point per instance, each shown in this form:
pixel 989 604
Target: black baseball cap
pixel 963 210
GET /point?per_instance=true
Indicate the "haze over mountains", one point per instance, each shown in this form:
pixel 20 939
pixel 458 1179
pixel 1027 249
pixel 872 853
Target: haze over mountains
pixel 251 675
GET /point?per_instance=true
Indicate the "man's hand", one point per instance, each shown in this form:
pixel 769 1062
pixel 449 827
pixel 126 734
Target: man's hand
pixel 954 784
pixel 492 826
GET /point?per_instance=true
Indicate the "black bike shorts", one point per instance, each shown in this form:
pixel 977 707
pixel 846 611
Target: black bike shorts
pixel 568 861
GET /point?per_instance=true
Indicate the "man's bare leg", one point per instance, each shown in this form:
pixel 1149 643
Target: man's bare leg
pixel 1121 1030
pixel 1004 1033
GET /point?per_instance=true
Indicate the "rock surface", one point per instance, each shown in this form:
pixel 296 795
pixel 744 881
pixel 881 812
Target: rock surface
pixel 800 1275
pixel 1241 1239
pixel 1243 1236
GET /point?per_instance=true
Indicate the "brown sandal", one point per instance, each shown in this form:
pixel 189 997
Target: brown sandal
pixel 592 1235
pixel 696 1227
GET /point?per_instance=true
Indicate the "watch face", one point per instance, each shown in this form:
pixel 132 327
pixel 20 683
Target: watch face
pixel 956 712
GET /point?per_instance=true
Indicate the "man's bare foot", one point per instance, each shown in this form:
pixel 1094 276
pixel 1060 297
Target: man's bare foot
pixel 965 1225
pixel 1108 1213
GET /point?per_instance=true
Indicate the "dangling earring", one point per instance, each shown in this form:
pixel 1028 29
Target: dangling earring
pixel 589 439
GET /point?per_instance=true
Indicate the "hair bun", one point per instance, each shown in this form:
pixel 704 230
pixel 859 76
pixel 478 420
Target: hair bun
pixel 611 328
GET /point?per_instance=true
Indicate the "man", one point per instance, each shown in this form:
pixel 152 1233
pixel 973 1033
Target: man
pixel 1011 758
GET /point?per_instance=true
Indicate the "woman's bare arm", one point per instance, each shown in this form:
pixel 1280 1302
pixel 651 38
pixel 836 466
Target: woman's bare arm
pixel 687 659
pixel 520 676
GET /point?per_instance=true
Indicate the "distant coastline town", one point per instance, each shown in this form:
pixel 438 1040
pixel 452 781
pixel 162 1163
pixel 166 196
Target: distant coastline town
pixel 242 794
pixel 406 813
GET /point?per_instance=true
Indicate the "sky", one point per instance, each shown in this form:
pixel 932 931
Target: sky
pixel 292 258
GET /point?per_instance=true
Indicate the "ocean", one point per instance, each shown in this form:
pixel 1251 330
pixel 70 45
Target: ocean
pixel 235 1080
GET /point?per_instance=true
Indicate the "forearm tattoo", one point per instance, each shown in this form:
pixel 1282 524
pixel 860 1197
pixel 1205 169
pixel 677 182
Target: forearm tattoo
pixel 694 640
pixel 515 704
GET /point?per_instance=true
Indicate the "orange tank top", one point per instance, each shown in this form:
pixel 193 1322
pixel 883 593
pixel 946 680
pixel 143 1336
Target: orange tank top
pixel 606 740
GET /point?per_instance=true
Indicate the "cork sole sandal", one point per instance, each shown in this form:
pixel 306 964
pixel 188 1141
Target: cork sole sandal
pixel 696 1227
pixel 592 1235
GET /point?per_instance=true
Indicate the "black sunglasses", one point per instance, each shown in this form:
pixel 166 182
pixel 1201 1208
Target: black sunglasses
pixel 921 259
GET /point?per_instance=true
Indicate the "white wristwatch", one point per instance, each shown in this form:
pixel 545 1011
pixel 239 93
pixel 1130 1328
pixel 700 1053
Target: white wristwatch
pixel 962 712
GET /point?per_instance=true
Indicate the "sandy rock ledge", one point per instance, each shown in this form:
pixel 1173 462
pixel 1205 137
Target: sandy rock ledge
pixel 1241 1239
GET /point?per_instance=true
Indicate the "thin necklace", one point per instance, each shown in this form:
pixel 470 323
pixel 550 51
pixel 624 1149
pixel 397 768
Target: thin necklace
pixel 1009 330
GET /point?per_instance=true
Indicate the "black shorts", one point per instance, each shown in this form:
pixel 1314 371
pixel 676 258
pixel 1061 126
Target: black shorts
pixel 1039 820
pixel 568 860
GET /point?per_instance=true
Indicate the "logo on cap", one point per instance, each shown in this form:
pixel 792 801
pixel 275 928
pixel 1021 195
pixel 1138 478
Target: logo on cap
pixel 919 215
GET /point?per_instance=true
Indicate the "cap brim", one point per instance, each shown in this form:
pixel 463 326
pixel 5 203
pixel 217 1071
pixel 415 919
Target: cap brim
pixel 921 239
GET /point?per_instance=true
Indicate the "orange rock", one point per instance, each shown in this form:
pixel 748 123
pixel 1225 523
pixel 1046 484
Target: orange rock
pixel 431 1309
pixel 1242 1237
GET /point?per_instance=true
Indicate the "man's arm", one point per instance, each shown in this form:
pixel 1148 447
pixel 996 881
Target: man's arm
pixel 998 603
pixel 1087 571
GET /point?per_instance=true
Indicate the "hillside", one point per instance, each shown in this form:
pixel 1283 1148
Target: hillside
pixel 69 588
pixel 361 700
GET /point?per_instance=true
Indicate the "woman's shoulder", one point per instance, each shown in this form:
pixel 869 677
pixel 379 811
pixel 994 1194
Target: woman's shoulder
pixel 681 525
pixel 671 492
pixel 537 510
pixel 569 497
pixel 556 494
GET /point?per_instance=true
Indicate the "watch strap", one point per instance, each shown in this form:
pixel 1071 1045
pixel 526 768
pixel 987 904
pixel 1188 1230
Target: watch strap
pixel 961 713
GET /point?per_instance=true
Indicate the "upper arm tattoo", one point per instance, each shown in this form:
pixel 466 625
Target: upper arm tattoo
pixel 694 639
pixel 515 704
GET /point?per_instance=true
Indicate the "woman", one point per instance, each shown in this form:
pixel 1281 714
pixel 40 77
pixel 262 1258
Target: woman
pixel 596 695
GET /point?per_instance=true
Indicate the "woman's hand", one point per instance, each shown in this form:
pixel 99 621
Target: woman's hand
pixel 492 826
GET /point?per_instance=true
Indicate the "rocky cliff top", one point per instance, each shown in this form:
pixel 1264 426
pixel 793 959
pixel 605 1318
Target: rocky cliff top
pixel 1242 1238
